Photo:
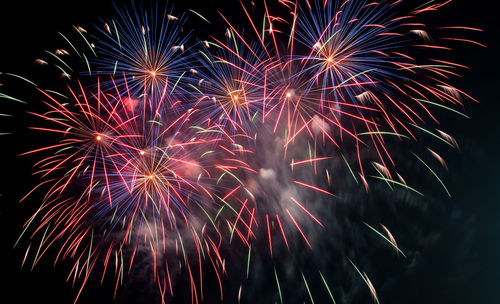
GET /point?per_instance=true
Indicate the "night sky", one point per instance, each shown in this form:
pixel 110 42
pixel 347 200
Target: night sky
pixel 452 243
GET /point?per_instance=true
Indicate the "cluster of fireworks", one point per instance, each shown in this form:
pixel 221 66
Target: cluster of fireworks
pixel 177 149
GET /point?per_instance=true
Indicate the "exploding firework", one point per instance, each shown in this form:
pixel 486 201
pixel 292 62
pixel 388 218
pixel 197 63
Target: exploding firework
pixel 146 48
pixel 128 184
pixel 171 148
pixel 231 84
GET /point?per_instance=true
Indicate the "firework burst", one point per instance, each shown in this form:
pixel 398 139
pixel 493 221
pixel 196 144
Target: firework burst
pixel 172 149
pixel 145 48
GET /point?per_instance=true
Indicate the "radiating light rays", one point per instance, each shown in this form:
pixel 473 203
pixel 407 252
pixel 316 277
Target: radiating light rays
pixel 348 59
pixel 357 54
pixel 353 78
pixel 300 107
pixel 178 149
pixel 91 127
pixel 348 41
pixel 146 47
pixel 231 86
pixel 345 79
pixel 131 181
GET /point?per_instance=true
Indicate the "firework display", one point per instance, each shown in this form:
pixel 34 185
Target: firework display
pixel 167 147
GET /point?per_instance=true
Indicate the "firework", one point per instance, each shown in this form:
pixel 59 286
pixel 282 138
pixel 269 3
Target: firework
pixel 231 85
pixel 146 48
pixel 127 185
pixel 172 149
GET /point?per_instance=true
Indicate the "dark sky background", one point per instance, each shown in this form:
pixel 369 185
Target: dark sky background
pixel 462 267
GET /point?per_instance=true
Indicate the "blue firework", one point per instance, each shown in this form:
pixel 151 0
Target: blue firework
pixel 147 47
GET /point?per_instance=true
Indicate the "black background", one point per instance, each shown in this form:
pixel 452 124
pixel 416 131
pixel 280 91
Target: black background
pixel 27 28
